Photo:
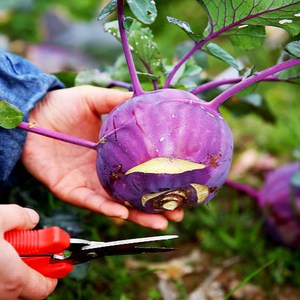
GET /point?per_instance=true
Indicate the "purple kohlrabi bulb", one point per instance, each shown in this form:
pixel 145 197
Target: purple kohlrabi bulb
pixel 279 201
pixel 162 150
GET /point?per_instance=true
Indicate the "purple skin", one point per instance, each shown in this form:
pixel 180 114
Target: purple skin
pixel 279 202
pixel 162 124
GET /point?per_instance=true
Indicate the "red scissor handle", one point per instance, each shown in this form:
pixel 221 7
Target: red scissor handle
pixel 43 265
pixel 52 240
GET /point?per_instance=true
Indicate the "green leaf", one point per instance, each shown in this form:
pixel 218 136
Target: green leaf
pixel 220 53
pixel 184 76
pixel 112 28
pixel 248 37
pixel 290 51
pixel 226 17
pixel 128 23
pixel 67 78
pixel 120 70
pixel 293 48
pixel 144 10
pixel 10 115
pixel 191 70
pixel 185 26
pixel 142 45
pixel 108 9
pixel 93 77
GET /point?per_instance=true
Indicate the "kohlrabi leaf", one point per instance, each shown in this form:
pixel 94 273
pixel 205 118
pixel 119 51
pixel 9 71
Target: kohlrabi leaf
pixel 291 51
pixel 112 28
pixel 252 103
pixel 248 37
pixel 184 76
pixel 144 10
pixel 220 53
pixel 10 115
pixel 93 77
pixel 293 48
pixel 128 21
pixel 227 17
pixel 120 70
pixel 108 9
pixel 141 43
pixel 185 26
pixel 67 78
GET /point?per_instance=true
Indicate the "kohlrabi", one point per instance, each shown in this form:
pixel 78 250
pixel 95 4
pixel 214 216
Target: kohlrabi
pixel 279 202
pixel 166 147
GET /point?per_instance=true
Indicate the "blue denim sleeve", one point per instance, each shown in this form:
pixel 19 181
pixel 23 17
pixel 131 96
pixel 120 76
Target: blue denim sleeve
pixel 22 85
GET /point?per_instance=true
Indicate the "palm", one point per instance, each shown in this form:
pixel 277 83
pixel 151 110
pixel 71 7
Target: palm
pixel 69 171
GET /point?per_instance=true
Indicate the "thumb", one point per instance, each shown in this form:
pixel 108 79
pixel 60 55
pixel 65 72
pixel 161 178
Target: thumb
pixel 13 216
pixel 103 100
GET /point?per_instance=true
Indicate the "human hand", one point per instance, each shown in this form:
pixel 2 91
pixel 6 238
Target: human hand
pixel 17 280
pixel 69 171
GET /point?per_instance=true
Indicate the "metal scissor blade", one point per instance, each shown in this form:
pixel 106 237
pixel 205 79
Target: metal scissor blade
pixel 122 247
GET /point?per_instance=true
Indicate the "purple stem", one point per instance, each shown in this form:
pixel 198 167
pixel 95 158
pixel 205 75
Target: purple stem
pixel 211 36
pixel 121 84
pixel 154 81
pixel 57 135
pixel 137 89
pixel 243 188
pixel 259 76
pixel 216 83
pixel 183 60
pixel 213 84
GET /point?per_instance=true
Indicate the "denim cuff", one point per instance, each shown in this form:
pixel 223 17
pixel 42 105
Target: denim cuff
pixel 23 85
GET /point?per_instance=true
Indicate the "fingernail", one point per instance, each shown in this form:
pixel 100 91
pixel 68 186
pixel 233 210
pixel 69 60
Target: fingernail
pixel 163 225
pixel 34 216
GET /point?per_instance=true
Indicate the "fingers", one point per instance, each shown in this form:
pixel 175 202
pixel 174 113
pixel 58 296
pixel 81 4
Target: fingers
pixel 18 281
pixel 154 221
pixel 16 217
pixel 102 100
pixel 175 215
pixel 87 198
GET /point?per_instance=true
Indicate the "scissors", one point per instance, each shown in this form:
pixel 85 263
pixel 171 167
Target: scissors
pixel 52 252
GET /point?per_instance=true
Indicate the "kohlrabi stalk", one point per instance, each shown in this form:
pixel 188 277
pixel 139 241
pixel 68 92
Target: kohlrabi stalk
pixel 243 188
pixel 217 83
pixel 259 76
pixel 137 88
pixel 31 127
pixel 120 84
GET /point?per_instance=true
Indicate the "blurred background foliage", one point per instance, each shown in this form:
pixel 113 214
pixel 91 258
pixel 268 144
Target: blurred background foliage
pixel 61 35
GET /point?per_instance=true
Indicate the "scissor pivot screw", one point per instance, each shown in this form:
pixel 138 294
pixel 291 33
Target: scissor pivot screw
pixel 92 254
